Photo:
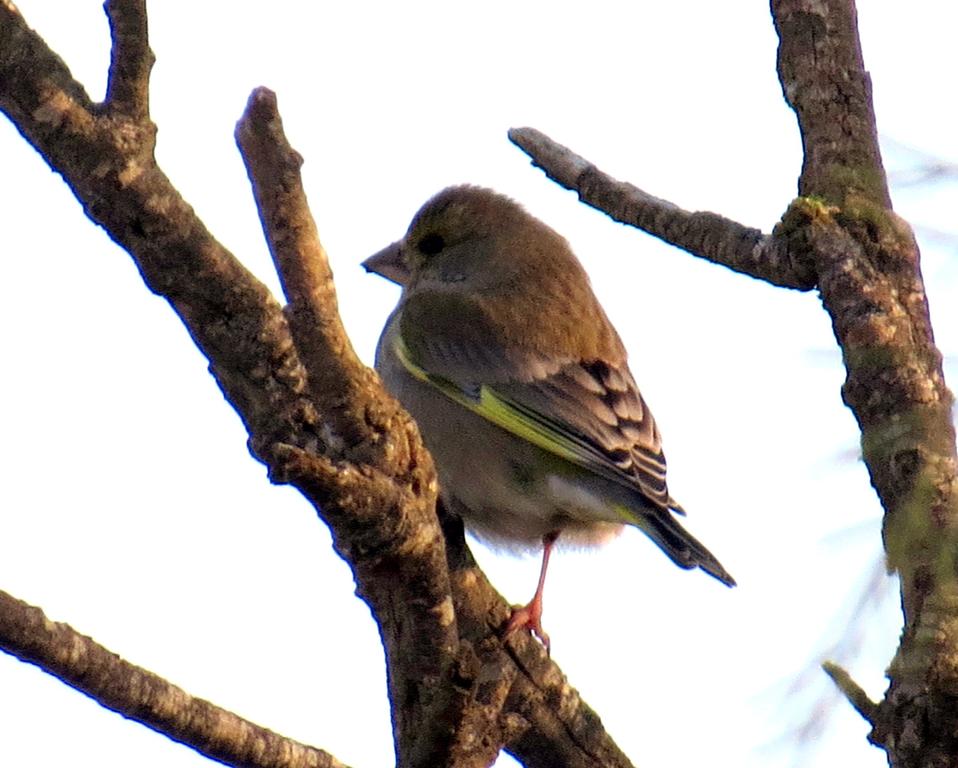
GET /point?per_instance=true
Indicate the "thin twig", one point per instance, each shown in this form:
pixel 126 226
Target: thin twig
pixel 852 691
pixel 703 234
pixel 128 83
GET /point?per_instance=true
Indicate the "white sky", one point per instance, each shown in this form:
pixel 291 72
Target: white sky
pixel 131 509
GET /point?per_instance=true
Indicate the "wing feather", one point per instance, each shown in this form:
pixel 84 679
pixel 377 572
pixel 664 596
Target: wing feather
pixel 587 411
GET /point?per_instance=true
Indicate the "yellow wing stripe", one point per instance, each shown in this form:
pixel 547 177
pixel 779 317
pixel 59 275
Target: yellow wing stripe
pixel 490 406
pixel 521 423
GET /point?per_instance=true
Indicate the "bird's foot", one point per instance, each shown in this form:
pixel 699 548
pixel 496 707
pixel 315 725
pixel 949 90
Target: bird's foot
pixel 528 617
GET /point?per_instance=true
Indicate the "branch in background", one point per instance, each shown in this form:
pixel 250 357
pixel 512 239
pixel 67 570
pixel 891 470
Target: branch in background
pixel 142 696
pixel 706 235
pixel 921 169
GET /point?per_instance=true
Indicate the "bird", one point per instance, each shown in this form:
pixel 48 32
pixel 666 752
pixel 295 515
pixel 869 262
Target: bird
pixel 521 388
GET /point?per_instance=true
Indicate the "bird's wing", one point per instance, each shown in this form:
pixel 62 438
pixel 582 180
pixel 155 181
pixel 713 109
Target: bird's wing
pixel 588 412
pixel 601 406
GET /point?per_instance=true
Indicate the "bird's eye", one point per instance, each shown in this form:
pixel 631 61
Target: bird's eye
pixel 431 244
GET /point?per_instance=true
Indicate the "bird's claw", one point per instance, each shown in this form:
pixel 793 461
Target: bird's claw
pixel 528 617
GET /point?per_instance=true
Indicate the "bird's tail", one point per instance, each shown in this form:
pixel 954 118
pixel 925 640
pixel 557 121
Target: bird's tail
pixel 681 546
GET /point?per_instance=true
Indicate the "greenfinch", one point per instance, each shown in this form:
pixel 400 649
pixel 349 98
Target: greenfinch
pixel 520 386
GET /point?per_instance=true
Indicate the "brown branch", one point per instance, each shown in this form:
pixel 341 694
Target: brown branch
pixel 869 275
pixel 128 83
pixel 336 376
pixel 108 163
pixel 852 691
pixel 871 285
pixel 316 417
pixel 135 693
pixel 421 641
pixel 703 234
pixel 824 80
pixel 548 723
pixel 469 727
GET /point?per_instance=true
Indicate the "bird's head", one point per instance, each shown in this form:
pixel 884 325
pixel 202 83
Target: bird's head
pixel 464 234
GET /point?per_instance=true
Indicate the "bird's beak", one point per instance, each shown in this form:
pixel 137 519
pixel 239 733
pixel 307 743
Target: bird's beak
pixel 389 263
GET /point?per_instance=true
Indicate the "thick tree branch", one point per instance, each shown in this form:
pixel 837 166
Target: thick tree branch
pixel 548 722
pixel 707 235
pixel 421 641
pixel 871 284
pixel 824 80
pixel 144 697
pixel 869 274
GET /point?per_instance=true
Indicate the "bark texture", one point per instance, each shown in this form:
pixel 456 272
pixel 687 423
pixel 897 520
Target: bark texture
pixel 89 667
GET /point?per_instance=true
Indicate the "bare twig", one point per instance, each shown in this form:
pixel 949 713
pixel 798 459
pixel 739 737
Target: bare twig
pixel 128 83
pixel 707 235
pixel 852 691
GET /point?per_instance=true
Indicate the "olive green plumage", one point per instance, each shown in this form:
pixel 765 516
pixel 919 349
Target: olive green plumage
pixel 519 383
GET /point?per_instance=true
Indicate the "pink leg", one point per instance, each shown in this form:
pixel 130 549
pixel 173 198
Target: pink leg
pixel 530 616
